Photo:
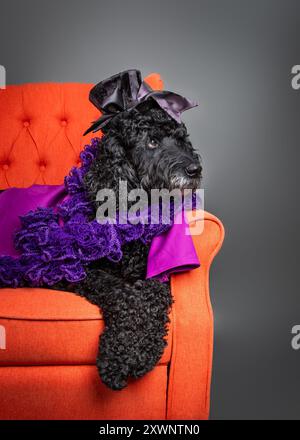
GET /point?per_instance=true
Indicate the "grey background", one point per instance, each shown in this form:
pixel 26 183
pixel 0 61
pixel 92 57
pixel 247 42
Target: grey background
pixel 235 57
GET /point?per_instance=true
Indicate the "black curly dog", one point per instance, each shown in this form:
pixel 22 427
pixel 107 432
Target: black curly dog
pixel 148 150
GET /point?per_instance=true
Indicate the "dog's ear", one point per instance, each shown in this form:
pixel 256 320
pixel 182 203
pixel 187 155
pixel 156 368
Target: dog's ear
pixel 110 166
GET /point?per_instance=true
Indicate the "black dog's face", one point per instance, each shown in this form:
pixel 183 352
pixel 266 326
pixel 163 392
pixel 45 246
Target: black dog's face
pixel 160 151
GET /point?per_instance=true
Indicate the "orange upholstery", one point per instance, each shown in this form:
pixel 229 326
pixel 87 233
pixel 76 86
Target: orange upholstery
pixel 49 339
pixel 75 392
pixel 53 323
pixel 41 127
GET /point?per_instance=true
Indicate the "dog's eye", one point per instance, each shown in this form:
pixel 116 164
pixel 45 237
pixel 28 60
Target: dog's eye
pixel 153 144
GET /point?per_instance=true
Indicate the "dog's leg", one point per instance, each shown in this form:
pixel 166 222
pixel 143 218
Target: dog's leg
pixel 151 308
pixel 135 317
pixel 133 340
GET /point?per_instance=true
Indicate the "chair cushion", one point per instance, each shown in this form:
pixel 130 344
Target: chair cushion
pixel 74 392
pixel 49 327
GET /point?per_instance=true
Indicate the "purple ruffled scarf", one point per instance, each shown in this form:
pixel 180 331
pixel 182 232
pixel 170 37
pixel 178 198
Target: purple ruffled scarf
pixel 56 245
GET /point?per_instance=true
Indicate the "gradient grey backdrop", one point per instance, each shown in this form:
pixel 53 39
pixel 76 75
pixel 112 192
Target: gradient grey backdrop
pixel 235 57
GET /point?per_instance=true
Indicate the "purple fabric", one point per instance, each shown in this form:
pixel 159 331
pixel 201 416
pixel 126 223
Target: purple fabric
pixel 172 251
pixel 54 238
pixel 16 202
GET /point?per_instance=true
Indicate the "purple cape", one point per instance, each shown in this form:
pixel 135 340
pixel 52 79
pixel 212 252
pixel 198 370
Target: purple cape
pixel 45 235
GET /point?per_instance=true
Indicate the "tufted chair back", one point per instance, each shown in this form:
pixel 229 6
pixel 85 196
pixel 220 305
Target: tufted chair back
pixel 41 128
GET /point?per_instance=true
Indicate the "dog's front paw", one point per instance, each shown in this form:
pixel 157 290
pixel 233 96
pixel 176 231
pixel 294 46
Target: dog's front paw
pixel 112 374
pixel 148 354
pixel 113 361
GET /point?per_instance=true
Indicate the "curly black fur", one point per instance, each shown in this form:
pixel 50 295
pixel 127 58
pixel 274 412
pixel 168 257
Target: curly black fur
pixel 148 149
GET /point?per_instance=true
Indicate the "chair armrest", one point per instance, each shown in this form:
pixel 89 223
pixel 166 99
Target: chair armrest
pixel 188 393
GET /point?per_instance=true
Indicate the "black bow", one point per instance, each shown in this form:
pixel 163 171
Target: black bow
pixel 125 91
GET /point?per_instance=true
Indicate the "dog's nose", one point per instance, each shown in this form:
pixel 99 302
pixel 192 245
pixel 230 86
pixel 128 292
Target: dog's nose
pixel 193 170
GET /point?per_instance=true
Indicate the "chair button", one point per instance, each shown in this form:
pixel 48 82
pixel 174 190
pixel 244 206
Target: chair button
pixel 5 166
pixel 42 167
pixel 26 123
pixel 63 123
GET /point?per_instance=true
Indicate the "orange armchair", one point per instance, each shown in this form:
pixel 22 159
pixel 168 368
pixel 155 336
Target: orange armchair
pixel 47 366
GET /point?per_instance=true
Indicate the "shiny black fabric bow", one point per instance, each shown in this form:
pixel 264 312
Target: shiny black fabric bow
pixel 125 91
